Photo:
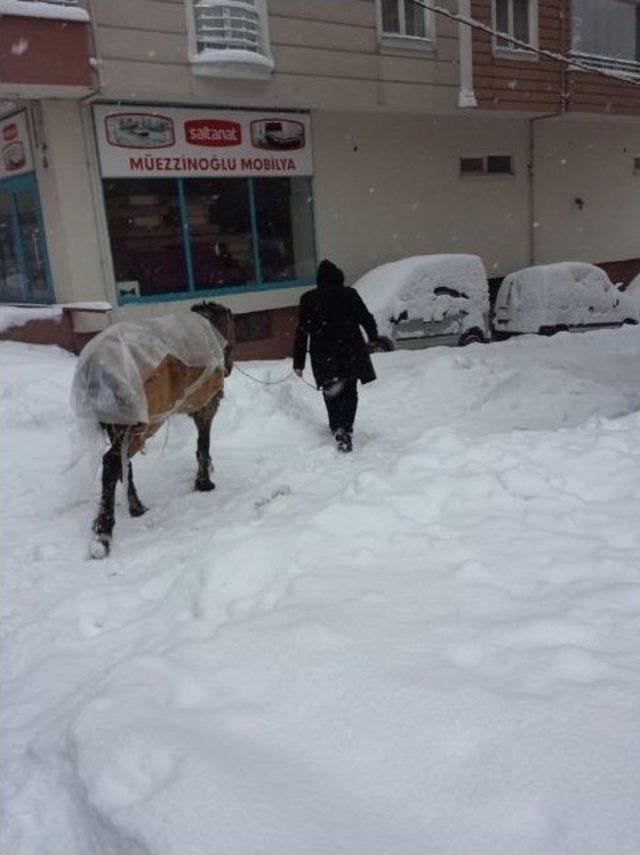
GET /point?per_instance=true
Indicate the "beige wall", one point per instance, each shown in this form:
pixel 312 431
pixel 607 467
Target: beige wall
pixel 390 187
pixel 68 203
pixel 326 56
pixel 592 161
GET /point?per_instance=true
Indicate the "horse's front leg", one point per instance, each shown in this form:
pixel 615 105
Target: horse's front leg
pixel 203 419
pixel 105 520
pixel 136 508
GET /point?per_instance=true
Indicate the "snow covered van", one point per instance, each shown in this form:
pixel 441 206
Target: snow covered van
pixel 632 291
pixel 550 298
pixel 429 300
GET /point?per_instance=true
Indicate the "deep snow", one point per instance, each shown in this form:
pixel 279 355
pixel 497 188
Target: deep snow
pixel 429 647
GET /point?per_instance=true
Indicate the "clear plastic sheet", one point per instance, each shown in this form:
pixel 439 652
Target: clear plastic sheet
pixel 109 382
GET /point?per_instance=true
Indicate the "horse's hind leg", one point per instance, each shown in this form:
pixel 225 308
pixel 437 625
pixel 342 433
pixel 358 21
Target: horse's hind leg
pixel 203 419
pixel 105 520
pixel 136 508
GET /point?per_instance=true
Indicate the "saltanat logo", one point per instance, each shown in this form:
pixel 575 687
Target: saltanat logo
pixel 213 132
pixel 10 132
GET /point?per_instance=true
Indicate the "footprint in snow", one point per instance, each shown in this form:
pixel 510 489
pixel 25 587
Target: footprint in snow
pixel 276 493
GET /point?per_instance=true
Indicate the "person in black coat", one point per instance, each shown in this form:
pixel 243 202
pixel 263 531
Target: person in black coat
pixel 329 321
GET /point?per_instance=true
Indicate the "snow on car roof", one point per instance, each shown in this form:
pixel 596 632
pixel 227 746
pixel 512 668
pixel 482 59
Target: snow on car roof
pixel 633 288
pixel 562 273
pixel 407 285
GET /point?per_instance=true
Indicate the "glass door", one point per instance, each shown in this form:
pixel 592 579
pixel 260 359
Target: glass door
pixel 25 276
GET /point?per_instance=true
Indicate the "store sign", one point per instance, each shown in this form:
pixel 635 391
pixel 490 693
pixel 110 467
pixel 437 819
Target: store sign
pixel 15 148
pixel 166 142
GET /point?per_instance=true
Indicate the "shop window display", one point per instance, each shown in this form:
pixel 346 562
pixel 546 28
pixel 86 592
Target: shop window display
pixel 172 236
pixel 146 236
pixel 285 227
pixel 219 222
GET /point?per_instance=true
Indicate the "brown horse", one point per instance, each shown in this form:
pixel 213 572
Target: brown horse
pixel 173 385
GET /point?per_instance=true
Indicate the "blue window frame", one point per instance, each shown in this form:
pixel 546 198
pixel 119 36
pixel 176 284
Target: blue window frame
pixel 180 238
pixel 25 273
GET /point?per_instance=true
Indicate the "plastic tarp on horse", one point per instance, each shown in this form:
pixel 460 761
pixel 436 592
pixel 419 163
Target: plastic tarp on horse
pixel 141 372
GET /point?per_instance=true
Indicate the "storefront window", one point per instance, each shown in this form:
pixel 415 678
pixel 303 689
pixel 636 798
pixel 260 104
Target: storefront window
pixel 219 221
pixel 173 236
pixel 24 267
pixel 285 227
pixel 33 245
pixel 11 283
pixel 146 230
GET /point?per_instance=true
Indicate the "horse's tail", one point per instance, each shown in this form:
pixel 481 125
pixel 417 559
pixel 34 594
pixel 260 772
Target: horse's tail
pixel 94 391
pixel 102 394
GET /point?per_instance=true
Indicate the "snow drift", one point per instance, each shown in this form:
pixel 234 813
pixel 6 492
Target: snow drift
pixel 430 648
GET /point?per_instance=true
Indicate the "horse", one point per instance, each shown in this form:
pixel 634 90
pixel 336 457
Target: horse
pixel 132 376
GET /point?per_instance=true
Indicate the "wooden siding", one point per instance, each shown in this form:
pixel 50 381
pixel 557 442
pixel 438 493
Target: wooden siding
pixel 504 83
pixel 592 93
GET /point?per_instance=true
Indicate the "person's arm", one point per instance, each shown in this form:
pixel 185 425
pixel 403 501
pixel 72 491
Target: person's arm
pixel 301 341
pixel 364 317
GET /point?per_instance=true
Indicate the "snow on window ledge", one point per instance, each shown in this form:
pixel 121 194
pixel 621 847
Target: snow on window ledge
pixel 231 63
pixel 18 316
pixel 395 40
pixel 57 11
pixel 625 67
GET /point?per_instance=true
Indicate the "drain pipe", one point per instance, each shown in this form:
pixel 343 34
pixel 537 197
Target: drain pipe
pixel 564 99
pixel 96 61
pixel 466 96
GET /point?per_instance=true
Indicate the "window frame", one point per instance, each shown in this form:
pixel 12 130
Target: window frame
pixel 511 51
pixel 191 292
pixel 402 40
pixel 484 172
pixel 210 62
pixel 630 67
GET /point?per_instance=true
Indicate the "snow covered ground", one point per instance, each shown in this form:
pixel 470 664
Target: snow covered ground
pixel 429 647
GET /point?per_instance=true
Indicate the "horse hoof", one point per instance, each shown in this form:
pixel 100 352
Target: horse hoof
pixel 100 546
pixel 137 510
pixel 204 486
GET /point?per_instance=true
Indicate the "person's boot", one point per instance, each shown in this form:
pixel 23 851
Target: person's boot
pixel 343 440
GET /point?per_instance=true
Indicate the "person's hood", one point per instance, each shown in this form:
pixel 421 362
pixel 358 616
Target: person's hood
pixel 329 275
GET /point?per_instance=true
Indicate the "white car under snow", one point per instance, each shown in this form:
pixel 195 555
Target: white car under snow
pixel 568 295
pixel 429 300
pixel 632 291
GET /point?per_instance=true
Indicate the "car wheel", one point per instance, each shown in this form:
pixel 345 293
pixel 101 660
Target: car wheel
pixel 472 337
pixel 630 322
pixel 552 330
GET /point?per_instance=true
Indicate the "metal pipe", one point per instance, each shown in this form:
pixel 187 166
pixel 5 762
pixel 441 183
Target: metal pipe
pixel 466 95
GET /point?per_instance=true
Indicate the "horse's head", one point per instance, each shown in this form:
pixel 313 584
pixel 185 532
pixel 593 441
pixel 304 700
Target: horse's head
pixel 221 318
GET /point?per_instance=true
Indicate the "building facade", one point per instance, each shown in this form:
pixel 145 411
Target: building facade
pixel 159 151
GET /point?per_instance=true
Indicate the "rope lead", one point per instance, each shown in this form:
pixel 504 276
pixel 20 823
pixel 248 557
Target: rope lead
pixel 274 382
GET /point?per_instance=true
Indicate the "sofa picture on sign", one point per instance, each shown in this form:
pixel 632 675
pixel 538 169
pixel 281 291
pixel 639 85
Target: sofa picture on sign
pixel 277 134
pixel 14 156
pixel 139 130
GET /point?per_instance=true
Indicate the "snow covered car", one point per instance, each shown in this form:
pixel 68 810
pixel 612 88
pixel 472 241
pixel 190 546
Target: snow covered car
pixel 552 298
pixel 632 291
pixel 429 300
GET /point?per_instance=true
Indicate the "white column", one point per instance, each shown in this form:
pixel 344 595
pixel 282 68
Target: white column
pixel 466 97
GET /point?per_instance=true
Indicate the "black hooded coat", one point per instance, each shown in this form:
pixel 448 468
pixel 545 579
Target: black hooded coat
pixel 329 321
